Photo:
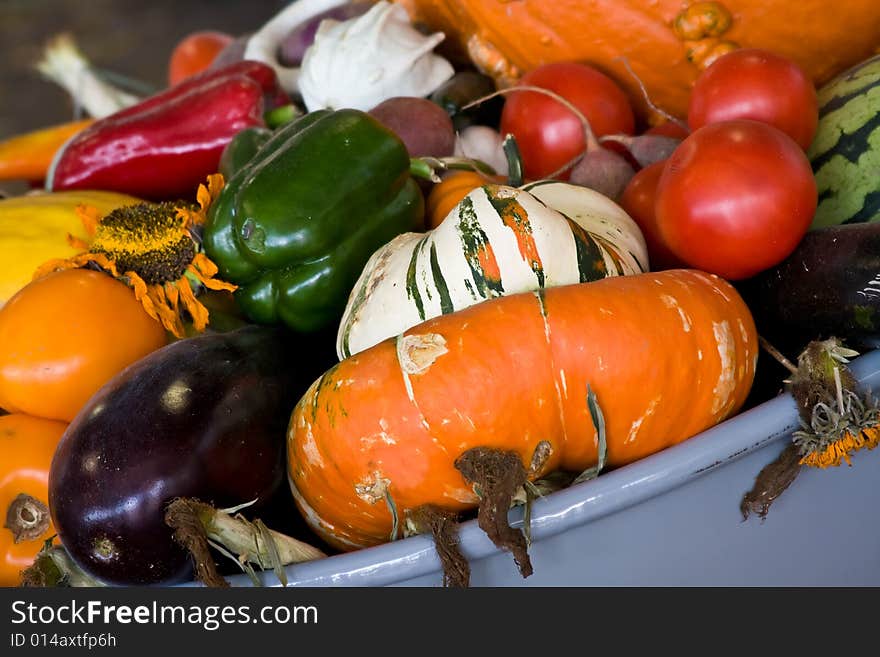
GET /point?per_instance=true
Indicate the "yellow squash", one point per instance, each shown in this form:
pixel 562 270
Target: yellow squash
pixel 34 229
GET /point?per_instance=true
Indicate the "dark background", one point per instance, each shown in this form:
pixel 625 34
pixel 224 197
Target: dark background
pixel 128 37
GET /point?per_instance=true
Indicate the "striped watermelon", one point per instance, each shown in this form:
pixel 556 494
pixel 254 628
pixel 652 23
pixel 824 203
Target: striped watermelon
pixel 497 241
pixel 845 153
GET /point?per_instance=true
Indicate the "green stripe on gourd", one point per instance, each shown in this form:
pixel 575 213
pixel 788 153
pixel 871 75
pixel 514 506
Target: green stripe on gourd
pixel 591 266
pixel 446 306
pixel 412 289
pixel 845 153
pixel 476 247
pixel 498 240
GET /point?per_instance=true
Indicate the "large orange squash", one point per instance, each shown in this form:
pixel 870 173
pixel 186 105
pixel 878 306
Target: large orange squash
pixel 667 355
pixel 667 42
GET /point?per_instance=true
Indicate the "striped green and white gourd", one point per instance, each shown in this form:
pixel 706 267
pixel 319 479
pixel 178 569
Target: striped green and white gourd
pixel 498 240
pixel 845 152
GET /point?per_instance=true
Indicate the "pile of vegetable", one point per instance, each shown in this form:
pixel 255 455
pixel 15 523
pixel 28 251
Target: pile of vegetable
pixel 343 281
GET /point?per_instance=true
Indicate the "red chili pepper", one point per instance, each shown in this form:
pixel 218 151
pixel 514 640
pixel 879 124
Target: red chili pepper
pixel 164 146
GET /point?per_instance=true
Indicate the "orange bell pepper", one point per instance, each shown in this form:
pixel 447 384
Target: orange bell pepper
pixel 28 156
pixel 27 445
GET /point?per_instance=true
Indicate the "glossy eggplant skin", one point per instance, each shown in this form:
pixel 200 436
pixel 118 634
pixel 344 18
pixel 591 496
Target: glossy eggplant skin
pixel 829 286
pixel 204 417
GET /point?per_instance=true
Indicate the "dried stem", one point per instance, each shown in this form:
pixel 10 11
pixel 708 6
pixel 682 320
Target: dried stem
pixel 443 527
pixel 647 98
pixel 589 136
pixel 251 542
pixel 771 482
pixel 497 475
pixel 773 351
pixel 184 519
pixel 27 518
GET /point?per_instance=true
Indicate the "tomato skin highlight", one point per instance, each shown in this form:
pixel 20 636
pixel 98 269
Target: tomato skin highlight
pixel 759 85
pixel 548 134
pixel 735 198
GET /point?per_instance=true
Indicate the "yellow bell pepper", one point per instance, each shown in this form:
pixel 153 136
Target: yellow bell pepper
pixel 34 229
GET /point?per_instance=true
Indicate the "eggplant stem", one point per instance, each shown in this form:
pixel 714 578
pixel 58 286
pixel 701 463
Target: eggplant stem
pixel 199 525
pixel 184 518
pixel 247 540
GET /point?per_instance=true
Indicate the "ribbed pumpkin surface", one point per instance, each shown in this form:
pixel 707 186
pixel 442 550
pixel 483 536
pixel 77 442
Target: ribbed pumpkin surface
pixel 666 41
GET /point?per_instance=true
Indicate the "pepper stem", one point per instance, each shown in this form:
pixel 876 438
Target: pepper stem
pixel 426 167
pixel 53 567
pixel 280 116
pixel 27 518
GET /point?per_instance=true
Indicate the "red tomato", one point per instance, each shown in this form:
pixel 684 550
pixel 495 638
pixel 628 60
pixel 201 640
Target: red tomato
pixel 759 85
pixel 638 200
pixel 195 53
pixel 668 129
pixel 548 134
pixel 735 198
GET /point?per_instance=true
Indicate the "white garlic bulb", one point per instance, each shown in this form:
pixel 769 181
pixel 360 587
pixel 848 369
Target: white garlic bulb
pixel 262 46
pixel 360 62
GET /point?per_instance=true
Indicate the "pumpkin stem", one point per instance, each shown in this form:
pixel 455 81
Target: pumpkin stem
pixel 443 527
pixel 602 439
pixel 27 518
pixel 497 475
pixel 395 517
pixel 514 161
pixel 647 98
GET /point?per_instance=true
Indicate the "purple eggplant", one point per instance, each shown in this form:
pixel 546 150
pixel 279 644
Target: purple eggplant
pixel 203 417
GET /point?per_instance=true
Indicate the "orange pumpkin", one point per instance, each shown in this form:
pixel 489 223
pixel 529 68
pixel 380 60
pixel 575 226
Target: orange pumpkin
pixel 667 355
pixel 447 193
pixel 667 42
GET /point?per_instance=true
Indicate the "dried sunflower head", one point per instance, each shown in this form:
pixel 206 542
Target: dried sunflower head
pixel 153 248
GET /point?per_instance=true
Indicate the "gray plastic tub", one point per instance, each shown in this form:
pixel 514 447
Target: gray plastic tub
pixel 667 520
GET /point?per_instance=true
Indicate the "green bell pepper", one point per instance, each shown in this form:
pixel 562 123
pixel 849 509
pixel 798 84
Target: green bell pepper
pixel 242 148
pixel 294 227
